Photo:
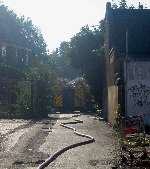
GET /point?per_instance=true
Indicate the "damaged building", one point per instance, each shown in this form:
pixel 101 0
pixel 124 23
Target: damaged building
pixel 127 58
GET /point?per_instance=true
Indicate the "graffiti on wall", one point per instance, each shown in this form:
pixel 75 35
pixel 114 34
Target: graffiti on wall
pixel 140 93
pixel 138 87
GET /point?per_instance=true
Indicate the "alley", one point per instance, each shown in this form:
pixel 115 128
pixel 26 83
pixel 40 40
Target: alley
pixel 26 144
pixel 99 154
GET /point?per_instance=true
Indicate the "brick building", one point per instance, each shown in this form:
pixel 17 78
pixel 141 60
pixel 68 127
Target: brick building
pixel 12 59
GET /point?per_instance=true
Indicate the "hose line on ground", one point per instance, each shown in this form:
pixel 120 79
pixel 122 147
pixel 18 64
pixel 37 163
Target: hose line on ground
pixel 58 153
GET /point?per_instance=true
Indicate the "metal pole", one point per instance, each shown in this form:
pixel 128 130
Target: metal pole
pixel 127 45
pixel 126 60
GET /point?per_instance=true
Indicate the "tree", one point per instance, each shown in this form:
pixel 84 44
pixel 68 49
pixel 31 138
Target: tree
pixel 86 53
pixel 36 79
pixel 123 4
pixel 62 62
pixel 82 95
pixel 114 5
pixel 132 7
pixel 21 32
pixel 34 38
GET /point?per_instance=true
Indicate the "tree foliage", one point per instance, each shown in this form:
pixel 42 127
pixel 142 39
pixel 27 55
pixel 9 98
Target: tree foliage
pixel 82 94
pixel 19 32
pixel 123 4
pixel 85 56
pixel 61 62
pixel 85 53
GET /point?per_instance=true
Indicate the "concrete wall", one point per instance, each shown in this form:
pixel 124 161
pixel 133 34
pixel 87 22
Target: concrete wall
pixel 133 93
pixel 112 88
pixel 112 103
pixel 138 87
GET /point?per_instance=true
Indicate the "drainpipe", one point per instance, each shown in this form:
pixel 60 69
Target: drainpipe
pixel 126 60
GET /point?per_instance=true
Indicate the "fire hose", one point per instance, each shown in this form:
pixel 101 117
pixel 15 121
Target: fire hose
pixel 59 152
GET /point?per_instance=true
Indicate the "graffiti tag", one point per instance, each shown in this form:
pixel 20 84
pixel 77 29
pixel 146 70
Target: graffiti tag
pixel 140 93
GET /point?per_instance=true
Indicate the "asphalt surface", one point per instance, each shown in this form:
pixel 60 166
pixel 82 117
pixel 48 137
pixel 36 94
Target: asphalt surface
pixel 99 154
pixel 26 144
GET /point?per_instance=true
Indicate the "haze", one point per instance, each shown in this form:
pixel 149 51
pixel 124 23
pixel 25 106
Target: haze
pixel 59 20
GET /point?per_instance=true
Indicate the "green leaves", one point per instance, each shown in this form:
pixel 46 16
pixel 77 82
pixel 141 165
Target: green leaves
pixel 35 79
pixel 21 31
pixel 84 52
pixel 123 4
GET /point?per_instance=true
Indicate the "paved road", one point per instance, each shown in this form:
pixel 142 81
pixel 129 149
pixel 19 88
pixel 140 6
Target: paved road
pixel 20 142
pixel 99 154
pixel 25 144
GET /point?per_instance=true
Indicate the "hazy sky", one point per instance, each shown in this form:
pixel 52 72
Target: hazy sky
pixel 59 20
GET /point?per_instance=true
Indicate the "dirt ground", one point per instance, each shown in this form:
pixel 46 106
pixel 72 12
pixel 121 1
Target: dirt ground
pixel 26 144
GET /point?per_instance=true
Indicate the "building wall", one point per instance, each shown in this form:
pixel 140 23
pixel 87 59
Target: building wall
pixel 14 55
pixel 134 93
pixel 112 88
pixel 138 87
pixel 112 103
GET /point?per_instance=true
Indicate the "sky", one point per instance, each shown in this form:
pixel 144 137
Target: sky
pixel 59 20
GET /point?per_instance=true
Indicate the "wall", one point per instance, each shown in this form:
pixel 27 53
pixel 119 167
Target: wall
pixel 112 88
pixel 138 88
pixel 112 103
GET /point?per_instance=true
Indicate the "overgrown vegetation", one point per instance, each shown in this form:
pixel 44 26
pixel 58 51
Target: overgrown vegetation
pixel 20 33
pixel 85 53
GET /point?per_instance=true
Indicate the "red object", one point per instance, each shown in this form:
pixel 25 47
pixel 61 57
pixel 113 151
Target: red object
pixel 130 130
